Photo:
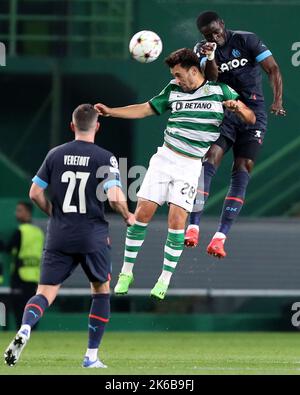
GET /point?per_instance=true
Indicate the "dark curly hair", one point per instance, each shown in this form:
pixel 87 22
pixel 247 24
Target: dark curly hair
pixel 185 57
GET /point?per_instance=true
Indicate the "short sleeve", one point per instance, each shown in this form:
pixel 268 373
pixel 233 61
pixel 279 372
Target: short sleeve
pixel 229 93
pixel 42 178
pixel 160 103
pixel 257 49
pixel 111 173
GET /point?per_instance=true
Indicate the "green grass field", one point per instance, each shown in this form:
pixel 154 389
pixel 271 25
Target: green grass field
pixel 161 353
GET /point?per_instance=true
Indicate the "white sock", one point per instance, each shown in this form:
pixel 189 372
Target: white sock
pixel 25 328
pixel 92 353
pixel 220 235
pixel 165 277
pixel 193 227
pixel 127 268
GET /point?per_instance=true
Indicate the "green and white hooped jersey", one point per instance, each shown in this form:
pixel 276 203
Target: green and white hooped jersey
pixel 196 116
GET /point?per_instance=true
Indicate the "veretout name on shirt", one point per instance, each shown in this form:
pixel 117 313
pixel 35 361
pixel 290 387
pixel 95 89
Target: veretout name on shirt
pixel 75 160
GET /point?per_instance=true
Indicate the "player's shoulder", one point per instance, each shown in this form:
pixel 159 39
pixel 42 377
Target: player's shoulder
pixel 223 87
pixel 215 84
pixel 240 32
pixel 173 84
pixel 105 156
pixel 57 149
pixel 170 87
pixel 242 35
pixel 100 150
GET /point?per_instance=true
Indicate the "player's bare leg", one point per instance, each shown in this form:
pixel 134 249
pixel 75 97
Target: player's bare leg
pixel 211 163
pixel 33 311
pixel 173 249
pixel 98 318
pixel 232 205
pixel 134 240
pixel 48 291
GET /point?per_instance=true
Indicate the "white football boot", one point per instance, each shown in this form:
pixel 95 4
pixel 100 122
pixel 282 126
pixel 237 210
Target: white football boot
pixel 93 364
pixel 14 350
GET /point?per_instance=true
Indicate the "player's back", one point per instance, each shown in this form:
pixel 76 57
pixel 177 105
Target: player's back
pixel 77 223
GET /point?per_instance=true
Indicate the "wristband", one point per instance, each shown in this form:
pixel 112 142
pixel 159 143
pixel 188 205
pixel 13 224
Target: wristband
pixel 211 56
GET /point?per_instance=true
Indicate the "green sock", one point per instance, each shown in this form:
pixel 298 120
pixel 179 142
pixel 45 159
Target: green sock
pixel 134 239
pixel 173 250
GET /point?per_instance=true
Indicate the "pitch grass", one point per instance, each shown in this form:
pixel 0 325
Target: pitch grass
pixel 169 353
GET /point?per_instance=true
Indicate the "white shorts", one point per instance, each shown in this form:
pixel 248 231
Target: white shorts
pixel 171 178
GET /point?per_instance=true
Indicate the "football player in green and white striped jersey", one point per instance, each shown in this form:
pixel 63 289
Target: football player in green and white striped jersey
pixel 197 109
pixel 195 115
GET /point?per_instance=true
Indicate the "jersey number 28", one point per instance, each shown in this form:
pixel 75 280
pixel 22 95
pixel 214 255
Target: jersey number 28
pixel 71 178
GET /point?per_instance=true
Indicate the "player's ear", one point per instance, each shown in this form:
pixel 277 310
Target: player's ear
pixel 72 127
pixel 97 127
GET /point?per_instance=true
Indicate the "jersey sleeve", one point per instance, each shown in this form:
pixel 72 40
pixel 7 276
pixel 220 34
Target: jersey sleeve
pixel 160 102
pixel 229 93
pixel 257 49
pixel 111 173
pixel 42 178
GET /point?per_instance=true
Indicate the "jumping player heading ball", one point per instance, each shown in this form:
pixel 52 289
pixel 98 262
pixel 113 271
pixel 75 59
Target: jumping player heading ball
pixel 235 58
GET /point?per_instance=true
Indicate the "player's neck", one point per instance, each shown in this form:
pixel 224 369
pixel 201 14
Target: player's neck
pixel 88 138
pixel 200 81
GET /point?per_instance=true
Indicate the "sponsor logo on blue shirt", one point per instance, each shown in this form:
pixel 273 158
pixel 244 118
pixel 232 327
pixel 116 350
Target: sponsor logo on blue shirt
pixel 236 53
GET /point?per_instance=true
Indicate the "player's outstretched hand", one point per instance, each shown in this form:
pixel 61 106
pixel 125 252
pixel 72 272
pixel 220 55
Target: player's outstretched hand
pixel 130 220
pixel 277 109
pixel 102 109
pixel 231 105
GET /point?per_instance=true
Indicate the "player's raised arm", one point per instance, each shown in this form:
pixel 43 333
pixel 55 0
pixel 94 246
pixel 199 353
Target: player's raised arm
pixel 118 203
pixel 134 111
pixel 206 52
pixel 241 110
pixel 37 195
